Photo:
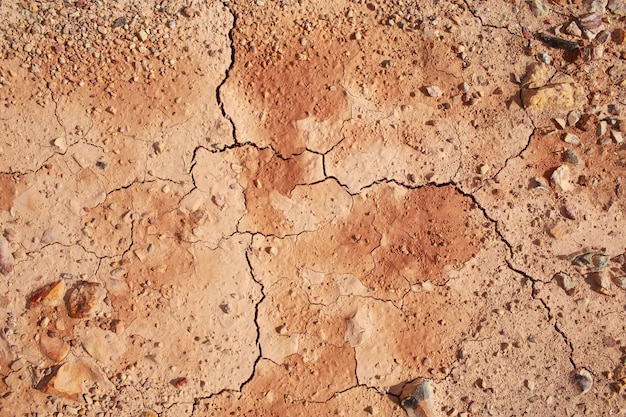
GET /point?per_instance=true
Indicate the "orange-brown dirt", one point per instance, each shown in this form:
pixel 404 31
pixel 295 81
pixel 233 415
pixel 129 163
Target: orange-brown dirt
pixel 280 208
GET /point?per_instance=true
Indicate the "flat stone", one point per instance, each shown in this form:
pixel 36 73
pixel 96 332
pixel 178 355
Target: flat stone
pixel 102 345
pixel 68 380
pixel 54 348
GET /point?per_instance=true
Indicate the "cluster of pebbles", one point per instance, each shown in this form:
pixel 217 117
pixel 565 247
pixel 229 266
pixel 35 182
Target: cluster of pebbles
pixel 69 44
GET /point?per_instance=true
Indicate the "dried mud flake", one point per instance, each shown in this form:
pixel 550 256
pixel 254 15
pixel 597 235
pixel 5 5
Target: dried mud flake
pixel 6 257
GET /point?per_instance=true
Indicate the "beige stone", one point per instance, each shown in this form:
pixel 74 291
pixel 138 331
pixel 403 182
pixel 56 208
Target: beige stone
pixel 54 348
pixel 561 179
pixel 69 380
pixel 102 345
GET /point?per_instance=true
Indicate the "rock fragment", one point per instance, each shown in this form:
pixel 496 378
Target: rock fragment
pixel 571 138
pixel 554 97
pixel 433 91
pixel 417 399
pixel 53 347
pixel 620 282
pixel 561 123
pixel 68 380
pixel 566 283
pixel 61 144
pixel 541 92
pixel 558 231
pixel 560 179
pixel 618 7
pixel 539 184
pixel 617 136
pixel 102 345
pixel 538 8
pixel 568 212
pixel 50 294
pixel 82 298
pixel 573 30
pixel 602 281
pixel 590 21
pixel 570 156
pixel 119 22
pixel 601 128
pixel 572 118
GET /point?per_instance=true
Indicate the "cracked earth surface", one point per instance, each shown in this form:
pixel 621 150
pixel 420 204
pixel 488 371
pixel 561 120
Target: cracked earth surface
pixel 280 208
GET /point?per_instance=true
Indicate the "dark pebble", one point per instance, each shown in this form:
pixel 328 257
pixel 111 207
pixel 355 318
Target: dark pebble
pixel 119 22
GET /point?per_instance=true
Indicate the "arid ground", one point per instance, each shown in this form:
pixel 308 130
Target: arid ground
pixel 297 207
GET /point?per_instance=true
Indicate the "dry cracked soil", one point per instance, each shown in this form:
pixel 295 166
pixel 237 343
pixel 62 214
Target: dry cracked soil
pixel 298 207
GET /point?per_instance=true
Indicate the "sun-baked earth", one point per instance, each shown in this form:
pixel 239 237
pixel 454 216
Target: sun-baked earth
pixel 287 208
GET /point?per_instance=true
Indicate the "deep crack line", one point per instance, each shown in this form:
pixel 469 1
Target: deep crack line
pixel 218 90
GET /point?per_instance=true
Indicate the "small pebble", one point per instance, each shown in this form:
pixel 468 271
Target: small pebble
pixel 570 156
pixel 568 212
pixel 433 91
pixel 119 22
pixel 620 282
pixel 572 118
pixel 181 383
pixel 539 184
pixel 561 123
pixel 117 272
pixel 617 136
pixel 565 282
pixel 218 201
pixel 560 179
pixel 571 139
pixel 573 29
pixel 158 147
pixel 584 380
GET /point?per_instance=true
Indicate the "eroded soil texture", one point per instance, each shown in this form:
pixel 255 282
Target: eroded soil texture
pixel 288 208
